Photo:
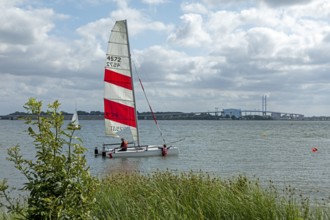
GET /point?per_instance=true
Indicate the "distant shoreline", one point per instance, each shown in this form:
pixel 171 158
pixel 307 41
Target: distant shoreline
pixel 173 116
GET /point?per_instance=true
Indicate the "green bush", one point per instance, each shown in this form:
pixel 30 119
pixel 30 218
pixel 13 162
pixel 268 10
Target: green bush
pixel 59 184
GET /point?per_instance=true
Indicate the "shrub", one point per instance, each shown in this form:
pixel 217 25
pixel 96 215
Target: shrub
pixel 59 184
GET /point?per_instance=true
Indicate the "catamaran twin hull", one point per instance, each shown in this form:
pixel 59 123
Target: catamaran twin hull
pixel 145 151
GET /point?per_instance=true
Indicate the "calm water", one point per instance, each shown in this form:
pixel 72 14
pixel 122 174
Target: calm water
pixel 269 150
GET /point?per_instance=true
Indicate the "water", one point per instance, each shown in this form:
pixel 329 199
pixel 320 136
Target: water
pixel 269 150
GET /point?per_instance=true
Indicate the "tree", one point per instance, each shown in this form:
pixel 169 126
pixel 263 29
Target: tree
pixel 58 181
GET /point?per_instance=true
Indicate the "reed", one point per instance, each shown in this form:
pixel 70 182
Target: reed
pixel 164 195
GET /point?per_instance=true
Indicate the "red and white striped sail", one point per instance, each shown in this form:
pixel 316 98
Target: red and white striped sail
pixel 119 101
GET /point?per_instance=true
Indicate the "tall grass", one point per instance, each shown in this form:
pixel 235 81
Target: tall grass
pixel 164 195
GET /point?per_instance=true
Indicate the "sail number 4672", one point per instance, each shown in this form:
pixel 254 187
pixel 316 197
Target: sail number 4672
pixel 113 61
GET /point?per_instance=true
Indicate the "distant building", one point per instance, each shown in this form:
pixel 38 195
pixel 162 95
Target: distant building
pixel 230 112
pixel 276 115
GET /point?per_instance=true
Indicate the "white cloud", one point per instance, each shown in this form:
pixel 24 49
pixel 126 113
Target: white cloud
pixel 154 2
pixel 25 27
pixel 197 8
pixel 191 33
pixel 263 47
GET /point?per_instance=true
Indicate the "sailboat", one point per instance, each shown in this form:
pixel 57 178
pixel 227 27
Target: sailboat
pixel 74 124
pixel 119 99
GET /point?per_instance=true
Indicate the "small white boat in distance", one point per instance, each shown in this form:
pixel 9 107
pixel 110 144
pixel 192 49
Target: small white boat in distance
pixel 74 124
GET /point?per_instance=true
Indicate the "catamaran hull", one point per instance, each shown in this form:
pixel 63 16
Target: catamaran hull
pixel 150 151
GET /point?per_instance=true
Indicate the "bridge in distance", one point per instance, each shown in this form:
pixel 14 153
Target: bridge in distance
pixel 272 114
pixel 183 115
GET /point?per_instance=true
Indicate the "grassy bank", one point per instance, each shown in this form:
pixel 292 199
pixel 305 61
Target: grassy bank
pixel 164 195
pixel 198 196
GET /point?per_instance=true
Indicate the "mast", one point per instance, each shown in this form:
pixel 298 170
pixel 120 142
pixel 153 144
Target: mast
pixel 132 81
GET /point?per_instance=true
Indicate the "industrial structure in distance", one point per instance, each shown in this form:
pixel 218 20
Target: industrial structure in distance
pixel 225 114
pixel 230 113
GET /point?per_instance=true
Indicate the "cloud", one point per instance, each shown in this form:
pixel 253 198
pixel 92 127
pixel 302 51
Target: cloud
pixel 261 49
pixel 197 8
pixel 191 32
pixel 38 63
pixel 277 3
pixel 25 26
pixel 239 3
pixel 154 2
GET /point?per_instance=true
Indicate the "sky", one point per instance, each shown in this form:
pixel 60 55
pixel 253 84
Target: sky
pixel 191 56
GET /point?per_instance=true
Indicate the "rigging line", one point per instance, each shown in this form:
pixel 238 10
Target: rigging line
pixel 172 142
pixel 152 112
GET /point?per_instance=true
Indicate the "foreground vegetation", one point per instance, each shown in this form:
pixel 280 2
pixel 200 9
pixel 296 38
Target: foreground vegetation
pixel 198 196
pixel 165 195
pixel 58 182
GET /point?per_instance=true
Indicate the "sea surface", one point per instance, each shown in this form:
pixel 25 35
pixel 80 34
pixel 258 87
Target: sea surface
pixel 277 151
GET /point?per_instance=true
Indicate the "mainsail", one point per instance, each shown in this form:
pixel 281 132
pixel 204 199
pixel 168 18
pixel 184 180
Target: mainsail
pixel 75 120
pixel 74 124
pixel 119 104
